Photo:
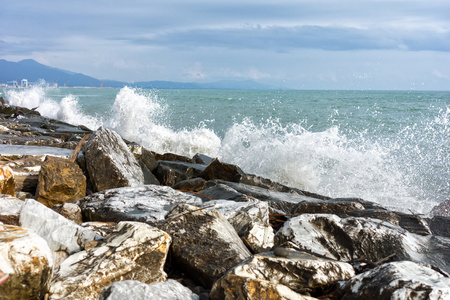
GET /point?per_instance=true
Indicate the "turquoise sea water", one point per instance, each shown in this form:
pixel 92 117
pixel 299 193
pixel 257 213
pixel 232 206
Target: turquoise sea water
pixel 391 147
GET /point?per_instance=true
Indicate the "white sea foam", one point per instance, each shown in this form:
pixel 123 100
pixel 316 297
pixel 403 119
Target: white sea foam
pixel 400 172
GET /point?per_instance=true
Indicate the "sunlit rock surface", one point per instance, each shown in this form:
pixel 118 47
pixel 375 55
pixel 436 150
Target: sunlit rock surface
pixel 27 259
pixel 297 270
pixel 398 280
pixel 60 181
pixel 10 208
pixel 7 182
pixel 146 203
pixel 205 245
pixel 110 163
pixel 133 250
pixel 70 211
pixel 250 219
pixel 136 290
pixel 60 233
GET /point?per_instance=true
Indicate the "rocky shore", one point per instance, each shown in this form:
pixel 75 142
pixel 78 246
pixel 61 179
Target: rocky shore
pixel 85 214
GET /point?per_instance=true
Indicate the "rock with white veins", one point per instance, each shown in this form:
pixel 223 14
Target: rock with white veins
pixel 133 250
pixel 133 289
pixel 205 245
pixel 60 233
pixel 27 259
pixel 110 163
pixel 398 280
pixel 297 270
pixel 145 203
pixel 250 219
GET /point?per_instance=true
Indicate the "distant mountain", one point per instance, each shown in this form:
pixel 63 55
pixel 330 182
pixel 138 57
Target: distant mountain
pixel 34 72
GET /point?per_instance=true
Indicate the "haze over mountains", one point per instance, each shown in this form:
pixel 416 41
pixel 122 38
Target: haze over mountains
pixel 34 72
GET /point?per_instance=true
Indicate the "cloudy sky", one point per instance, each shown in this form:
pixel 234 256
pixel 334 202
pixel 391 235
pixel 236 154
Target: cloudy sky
pixel 316 44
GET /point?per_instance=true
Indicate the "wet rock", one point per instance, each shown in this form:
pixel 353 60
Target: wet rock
pixel 169 176
pixel 173 157
pixel 133 289
pixel 192 185
pixel 60 233
pixel 440 226
pixel 299 271
pixel 412 223
pixel 442 210
pixel 250 220
pixel 205 245
pixel 398 280
pixel 146 203
pixel 60 181
pixel 110 163
pixel 148 158
pixel 283 202
pixel 219 170
pixel 70 211
pixel 339 208
pixel 224 192
pixel 27 259
pixel 351 238
pixel 10 208
pixel 133 251
pixel 7 182
pixel 202 159
pixel 149 178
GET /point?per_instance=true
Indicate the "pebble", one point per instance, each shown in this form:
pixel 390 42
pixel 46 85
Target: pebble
pixel 281 252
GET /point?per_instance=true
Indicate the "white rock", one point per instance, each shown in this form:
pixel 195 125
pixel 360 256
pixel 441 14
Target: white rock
pixel 136 290
pixel 133 250
pixel 60 233
pixel 398 280
pixel 27 259
pixel 145 203
pixel 10 206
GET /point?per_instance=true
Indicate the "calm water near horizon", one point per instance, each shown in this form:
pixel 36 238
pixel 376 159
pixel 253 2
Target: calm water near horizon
pixel 391 147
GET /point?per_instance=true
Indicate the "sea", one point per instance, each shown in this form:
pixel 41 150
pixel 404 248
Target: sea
pixel 389 147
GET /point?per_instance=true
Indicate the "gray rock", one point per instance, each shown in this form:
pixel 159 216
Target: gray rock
pixel 10 208
pixel 205 245
pixel 442 210
pixel 136 290
pixel 145 203
pixel 110 163
pixel 398 280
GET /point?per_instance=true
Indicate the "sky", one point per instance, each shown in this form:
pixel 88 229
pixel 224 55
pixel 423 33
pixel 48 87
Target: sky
pixel 316 44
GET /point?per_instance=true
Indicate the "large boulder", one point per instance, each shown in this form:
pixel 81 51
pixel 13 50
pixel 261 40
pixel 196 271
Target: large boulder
pixel 7 182
pixel 60 233
pixel 146 203
pixel 133 250
pixel 442 209
pixel 133 289
pixel 299 271
pixel 27 259
pixel 351 238
pixel 110 163
pixel 205 245
pixel 60 181
pixel 219 170
pixel 398 280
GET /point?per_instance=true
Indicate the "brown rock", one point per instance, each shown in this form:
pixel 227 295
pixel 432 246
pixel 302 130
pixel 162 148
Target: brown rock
pixel 60 181
pixel 223 171
pixel 70 211
pixel 7 182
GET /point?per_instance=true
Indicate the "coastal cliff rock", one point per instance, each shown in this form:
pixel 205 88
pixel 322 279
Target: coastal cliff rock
pixel 205 245
pixel 28 261
pixel 7 182
pixel 398 280
pixel 133 289
pixel 146 203
pixel 110 163
pixel 299 271
pixel 60 181
pixel 132 251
